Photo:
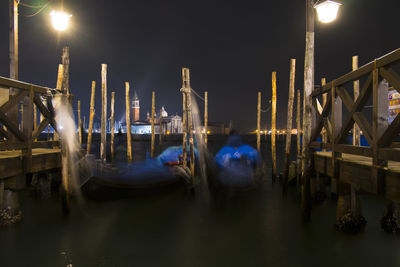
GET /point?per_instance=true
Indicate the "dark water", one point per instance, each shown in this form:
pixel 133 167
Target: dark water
pixel 175 228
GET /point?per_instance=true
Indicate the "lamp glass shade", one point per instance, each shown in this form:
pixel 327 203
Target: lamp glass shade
pixel 327 10
pixel 60 20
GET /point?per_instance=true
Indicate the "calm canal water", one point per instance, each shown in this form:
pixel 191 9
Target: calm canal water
pixel 174 228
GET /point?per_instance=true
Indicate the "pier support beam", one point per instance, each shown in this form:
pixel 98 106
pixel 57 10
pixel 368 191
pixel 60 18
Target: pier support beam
pixel 41 185
pixel 389 221
pixel 349 218
pixel 10 212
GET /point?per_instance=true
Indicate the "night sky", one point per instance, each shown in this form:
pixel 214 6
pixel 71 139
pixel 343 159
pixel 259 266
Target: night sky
pixel 231 48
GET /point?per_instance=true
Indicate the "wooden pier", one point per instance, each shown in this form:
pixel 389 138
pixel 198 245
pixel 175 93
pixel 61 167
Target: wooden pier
pixel 352 168
pixel 21 150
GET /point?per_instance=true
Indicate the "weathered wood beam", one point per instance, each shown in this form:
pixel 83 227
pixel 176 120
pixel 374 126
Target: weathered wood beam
pixel 388 59
pixel 389 154
pixel 3 133
pixel 7 82
pixel 320 121
pixel 391 76
pixel 353 108
pixel 13 100
pixel 47 113
pixel 12 127
pixel 391 132
pixel 43 124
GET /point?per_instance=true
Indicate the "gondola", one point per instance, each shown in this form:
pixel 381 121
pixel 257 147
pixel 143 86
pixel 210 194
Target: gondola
pixel 164 171
pixel 238 167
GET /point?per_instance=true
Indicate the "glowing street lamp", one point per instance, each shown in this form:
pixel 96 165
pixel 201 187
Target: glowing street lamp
pixel 327 10
pixel 60 20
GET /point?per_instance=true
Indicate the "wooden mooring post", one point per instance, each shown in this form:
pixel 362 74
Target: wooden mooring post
pixel 184 128
pixel 298 126
pixel 103 112
pixel 259 122
pixel 65 63
pixel 60 75
pixel 160 127
pixel 91 118
pixel 112 125
pixel 205 118
pixel 187 90
pixel 79 123
pixel 128 124
pixel 289 123
pixel 324 133
pixel 273 127
pixel 153 111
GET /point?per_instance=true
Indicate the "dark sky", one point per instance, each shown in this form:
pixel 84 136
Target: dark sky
pixel 231 47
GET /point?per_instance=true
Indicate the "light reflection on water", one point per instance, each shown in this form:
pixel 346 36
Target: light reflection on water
pixel 174 228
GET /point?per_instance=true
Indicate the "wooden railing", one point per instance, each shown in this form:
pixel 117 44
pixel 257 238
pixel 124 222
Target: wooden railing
pixel 376 78
pixel 32 96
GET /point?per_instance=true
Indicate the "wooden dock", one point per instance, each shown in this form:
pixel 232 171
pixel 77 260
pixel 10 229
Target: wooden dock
pixel 357 171
pixel 43 159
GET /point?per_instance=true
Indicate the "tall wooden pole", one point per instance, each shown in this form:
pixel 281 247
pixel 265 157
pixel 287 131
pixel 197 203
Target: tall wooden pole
pixel 298 122
pixel 60 76
pixel 128 124
pixel 187 90
pixel 259 121
pixel 13 54
pixel 84 124
pixel 160 125
pixel 307 117
pixel 153 111
pixel 35 118
pixel 91 117
pixel 65 63
pixel 205 118
pixel 289 122
pixel 324 100
pixel 79 123
pixel 356 86
pixel 184 127
pixel 273 126
pixel 103 112
pixel 112 125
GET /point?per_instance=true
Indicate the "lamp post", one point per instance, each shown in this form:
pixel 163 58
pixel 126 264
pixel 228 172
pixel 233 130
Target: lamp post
pixel 60 22
pixel 327 12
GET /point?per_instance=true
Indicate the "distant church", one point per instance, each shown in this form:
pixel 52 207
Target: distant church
pixel 169 124
pixel 135 108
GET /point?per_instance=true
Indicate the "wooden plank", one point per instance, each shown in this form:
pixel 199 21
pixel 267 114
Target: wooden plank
pixel 12 145
pixel 355 150
pixel 390 58
pixel 389 154
pixel 45 144
pixel 7 82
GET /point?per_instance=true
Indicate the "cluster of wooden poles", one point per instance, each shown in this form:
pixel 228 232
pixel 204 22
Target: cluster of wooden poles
pixel 301 151
pixel 187 120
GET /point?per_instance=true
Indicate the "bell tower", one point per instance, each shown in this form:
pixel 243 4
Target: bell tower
pixel 135 107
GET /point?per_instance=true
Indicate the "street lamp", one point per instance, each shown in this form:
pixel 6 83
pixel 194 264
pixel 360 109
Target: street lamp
pixel 327 12
pixel 60 20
